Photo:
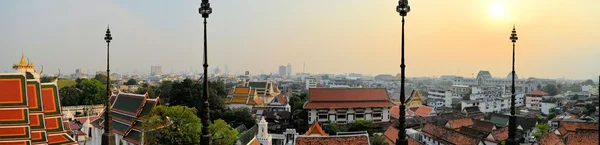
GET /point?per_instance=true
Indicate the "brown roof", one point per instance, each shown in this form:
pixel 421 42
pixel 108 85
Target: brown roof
pixel 550 139
pixel 347 98
pixel 424 111
pixel 483 126
pixel 348 94
pixel 457 123
pixel 566 126
pixel 472 132
pixel 391 134
pixel 346 104
pixel 537 93
pixel 447 136
pixel 333 140
pixel 499 135
pixel 583 138
pixel 395 112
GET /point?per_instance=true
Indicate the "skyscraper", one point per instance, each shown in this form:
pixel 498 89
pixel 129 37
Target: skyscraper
pixel 289 69
pixel 282 71
pixel 155 70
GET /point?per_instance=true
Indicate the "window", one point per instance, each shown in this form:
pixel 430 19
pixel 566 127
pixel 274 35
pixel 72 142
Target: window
pixel 90 132
pixel 322 116
pixel 360 115
pixel 341 116
pixel 377 115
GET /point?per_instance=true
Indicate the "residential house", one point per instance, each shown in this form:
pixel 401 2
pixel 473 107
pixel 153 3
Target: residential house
pixel 31 111
pixel 83 134
pixel 127 111
pixel 567 127
pixel 344 105
pixel 533 99
pixel 458 123
pixel 525 126
pixel 550 139
pixel 497 136
pixel 473 112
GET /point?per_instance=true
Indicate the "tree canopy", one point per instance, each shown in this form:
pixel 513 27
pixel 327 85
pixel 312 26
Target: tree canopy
pixel 174 125
pixel 131 81
pixel 550 89
pixel 222 133
pixel 377 139
pixel 362 125
pixel 542 129
pixel 239 116
pixel 188 93
pixel 299 114
pixel 331 128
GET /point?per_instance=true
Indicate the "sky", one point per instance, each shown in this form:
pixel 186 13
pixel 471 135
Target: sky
pixel 557 38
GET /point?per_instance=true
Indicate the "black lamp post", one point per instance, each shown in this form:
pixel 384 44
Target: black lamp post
pixel 108 138
pixel 512 126
pixel 403 8
pixel 205 10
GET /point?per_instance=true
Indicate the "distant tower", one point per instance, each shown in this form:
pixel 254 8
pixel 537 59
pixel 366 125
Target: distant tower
pixel 289 70
pixel 226 69
pixel 282 71
pixel 155 70
pixel 263 135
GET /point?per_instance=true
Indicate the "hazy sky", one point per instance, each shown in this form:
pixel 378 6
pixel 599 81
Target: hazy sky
pixel 557 38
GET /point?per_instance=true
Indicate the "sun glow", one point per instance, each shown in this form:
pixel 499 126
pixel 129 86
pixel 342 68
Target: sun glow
pixel 497 10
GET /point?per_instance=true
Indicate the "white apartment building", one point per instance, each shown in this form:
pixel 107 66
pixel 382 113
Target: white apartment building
pixel 489 99
pixel 443 97
pixel 344 105
pixel 533 99
pixel 311 83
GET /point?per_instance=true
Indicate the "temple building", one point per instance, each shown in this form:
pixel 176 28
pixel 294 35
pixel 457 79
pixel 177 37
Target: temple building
pixel 415 99
pixel 344 105
pixel 31 110
pixel 127 111
pixel 260 96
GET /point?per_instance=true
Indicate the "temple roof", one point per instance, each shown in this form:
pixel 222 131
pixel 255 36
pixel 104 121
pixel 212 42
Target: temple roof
pixel 315 129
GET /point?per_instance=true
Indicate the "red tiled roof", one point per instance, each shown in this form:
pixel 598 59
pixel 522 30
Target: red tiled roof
pixel 550 139
pixel 348 94
pixel 346 104
pixel 391 134
pixel 395 112
pixel 499 135
pixel 333 140
pixel 457 123
pixel 447 136
pixel 583 138
pixel 483 126
pixel 566 126
pixel 537 93
pixel 424 111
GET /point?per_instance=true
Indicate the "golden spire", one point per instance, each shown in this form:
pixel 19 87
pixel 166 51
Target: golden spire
pixel 22 63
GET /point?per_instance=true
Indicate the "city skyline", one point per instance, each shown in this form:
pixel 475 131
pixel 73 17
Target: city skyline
pixel 329 37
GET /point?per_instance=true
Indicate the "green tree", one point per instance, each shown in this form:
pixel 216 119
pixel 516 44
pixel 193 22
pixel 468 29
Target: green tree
pixel 575 97
pixel 93 92
pixel 590 109
pixel 131 81
pixel 331 127
pixel 550 89
pixel 362 125
pixel 239 116
pixel 378 140
pixel 62 82
pixel 222 133
pixel 542 129
pixel 175 125
pixel 539 86
pixel 102 78
pixel 188 93
pixel 299 114
pixel 46 79
pixel 574 88
pixel 588 82
pixel 70 96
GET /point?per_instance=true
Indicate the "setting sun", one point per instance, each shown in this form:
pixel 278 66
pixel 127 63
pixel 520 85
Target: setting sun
pixel 497 10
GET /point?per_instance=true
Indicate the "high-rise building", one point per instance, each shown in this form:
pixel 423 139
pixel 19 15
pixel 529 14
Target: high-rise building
pixel 282 71
pixel 155 70
pixel 289 69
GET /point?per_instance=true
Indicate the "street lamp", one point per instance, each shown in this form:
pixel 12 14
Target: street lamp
pixel 205 10
pixel 512 126
pixel 107 137
pixel 403 8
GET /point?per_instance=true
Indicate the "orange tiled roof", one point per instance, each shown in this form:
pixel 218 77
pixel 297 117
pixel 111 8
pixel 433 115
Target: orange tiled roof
pixel 346 104
pixel 391 134
pixel 337 140
pixel 499 135
pixel 447 135
pixel 242 90
pixel 395 112
pixel 315 129
pixel 550 139
pixel 583 138
pixel 537 93
pixel 239 99
pixel 566 126
pixel 348 94
pixel 424 111
pixel 457 123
